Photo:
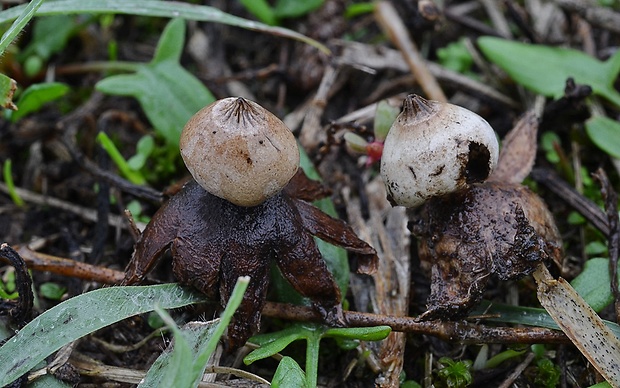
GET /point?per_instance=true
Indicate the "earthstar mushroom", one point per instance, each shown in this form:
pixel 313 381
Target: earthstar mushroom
pixel 437 158
pixel 246 209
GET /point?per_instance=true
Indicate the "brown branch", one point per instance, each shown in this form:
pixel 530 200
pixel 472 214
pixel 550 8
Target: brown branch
pixel 459 331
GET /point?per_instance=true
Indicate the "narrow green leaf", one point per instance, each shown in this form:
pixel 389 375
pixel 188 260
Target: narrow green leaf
pixel 357 9
pixel 49 35
pixel 170 45
pixel 37 95
pixel 79 316
pixel 272 343
pixel 501 357
pixel 106 143
pixel 168 93
pixel 288 375
pixel 376 333
pixel 22 17
pixel 169 9
pixel 520 315
pixel 594 283
pixel 605 133
pixel 7 172
pixel 233 304
pixel 545 69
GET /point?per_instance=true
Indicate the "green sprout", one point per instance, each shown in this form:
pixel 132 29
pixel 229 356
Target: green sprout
pixel 454 374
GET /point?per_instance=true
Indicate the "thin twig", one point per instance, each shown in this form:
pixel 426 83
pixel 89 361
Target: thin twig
pixel 517 372
pixel 395 28
pixel 311 135
pixel 604 17
pixel 84 212
pixel 497 17
pixel 58 265
pixel 580 203
pixel 359 55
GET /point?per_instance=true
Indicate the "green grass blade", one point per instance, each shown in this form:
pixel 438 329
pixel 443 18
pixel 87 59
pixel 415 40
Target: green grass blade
pixel 8 179
pixel 22 17
pixel 193 346
pixel 106 143
pixel 80 316
pixel 169 9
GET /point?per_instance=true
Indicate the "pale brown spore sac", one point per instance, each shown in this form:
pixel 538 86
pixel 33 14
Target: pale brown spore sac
pixel 239 151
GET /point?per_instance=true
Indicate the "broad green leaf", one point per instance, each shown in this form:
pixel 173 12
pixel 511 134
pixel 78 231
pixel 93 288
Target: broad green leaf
pixel 355 142
pixel 262 10
pixel 82 315
pixel 455 56
pixel 7 89
pixel 52 291
pixel 605 133
pixel 22 17
pixel 144 148
pixel 49 35
pixel 594 283
pixel 169 9
pixel 288 375
pixel 384 118
pixel 168 93
pixel 295 8
pixel 37 95
pixel 544 69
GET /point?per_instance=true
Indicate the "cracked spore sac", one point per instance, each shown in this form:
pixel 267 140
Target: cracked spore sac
pixel 490 228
